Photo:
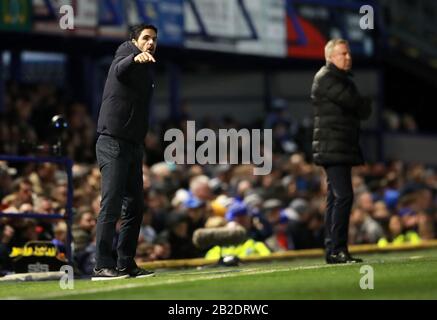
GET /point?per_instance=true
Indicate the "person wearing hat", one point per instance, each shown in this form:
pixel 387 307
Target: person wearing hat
pixel 305 228
pixel 338 110
pixel 196 213
pixel 238 213
pixel 264 223
pixel 178 236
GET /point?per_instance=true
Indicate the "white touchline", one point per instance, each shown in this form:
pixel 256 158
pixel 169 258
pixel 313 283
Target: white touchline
pixel 174 281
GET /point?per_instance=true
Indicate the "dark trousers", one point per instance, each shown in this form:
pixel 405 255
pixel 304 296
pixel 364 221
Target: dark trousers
pixel 120 164
pixel 338 208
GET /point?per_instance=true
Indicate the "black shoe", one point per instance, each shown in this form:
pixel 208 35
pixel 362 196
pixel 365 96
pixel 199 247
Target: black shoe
pixel 342 257
pixel 136 272
pixel 108 274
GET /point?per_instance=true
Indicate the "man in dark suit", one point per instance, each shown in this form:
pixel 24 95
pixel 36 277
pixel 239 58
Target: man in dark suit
pixel 122 126
pixel 338 110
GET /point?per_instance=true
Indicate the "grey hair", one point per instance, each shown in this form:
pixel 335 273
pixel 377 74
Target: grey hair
pixel 331 45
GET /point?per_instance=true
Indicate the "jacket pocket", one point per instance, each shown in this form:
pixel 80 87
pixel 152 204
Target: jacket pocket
pixel 107 149
pixel 131 115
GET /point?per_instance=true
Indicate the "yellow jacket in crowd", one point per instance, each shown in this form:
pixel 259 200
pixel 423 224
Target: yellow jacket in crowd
pixel 246 249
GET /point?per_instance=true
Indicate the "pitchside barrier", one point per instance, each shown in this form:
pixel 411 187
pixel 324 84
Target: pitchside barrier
pixel 291 254
pixel 41 253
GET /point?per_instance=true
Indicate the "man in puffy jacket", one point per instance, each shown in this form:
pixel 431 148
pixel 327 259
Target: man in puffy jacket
pixel 122 127
pixel 338 110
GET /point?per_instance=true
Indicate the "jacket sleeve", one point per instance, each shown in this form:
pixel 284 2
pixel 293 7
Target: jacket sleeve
pixel 341 93
pixel 122 65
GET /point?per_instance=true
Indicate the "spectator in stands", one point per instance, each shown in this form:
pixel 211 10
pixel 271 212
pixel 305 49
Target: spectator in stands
pixel 81 133
pixel 60 196
pixel 199 187
pixel 60 238
pixel 178 237
pixel 398 234
pixel 44 205
pixel 237 215
pixel 86 260
pixel 197 214
pixel 159 206
pixel 279 240
pixel 147 233
pixel 83 229
pixel 365 202
pixel 363 228
pixel 25 231
pixel 305 229
pixel 382 215
pixel 23 193
pixel 6 181
pixel 44 179
pixel 6 235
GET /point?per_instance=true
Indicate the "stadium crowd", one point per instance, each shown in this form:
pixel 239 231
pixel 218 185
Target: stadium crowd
pixel 284 210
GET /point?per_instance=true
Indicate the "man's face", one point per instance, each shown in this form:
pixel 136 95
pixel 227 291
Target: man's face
pixel 341 57
pixel 147 41
pixel 25 192
pixel 87 222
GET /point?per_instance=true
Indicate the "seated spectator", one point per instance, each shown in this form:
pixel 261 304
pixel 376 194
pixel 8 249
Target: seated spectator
pixel 365 202
pixel 25 231
pixel 144 252
pixel 363 228
pixel 238 213
pixel 278 241
pixel 179 198
pixel 200 188
pixel 306 231
pixel 44 179
pixel 23 193
pixel 382 215
pixel 250 247
pixel 6 236
pixel 83 227
pixel 196 213
pixel 86 260
pixel 265 222
pixel 398 235
pixel 147 233
pixel 60 238
pixel 178 237
pixel 6 182
pixel 272 210
pixel 409 219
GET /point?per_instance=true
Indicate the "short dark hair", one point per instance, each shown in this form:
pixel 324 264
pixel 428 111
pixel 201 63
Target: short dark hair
pixel 136 30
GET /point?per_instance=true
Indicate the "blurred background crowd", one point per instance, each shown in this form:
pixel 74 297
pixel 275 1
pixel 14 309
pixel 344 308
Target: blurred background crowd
pixel 284 210
pixel 225 64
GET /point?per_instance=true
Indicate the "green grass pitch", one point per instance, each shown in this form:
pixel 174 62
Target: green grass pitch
pixel 400 275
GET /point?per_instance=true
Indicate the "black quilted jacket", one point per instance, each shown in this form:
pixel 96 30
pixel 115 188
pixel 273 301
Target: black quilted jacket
pixel 338 110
